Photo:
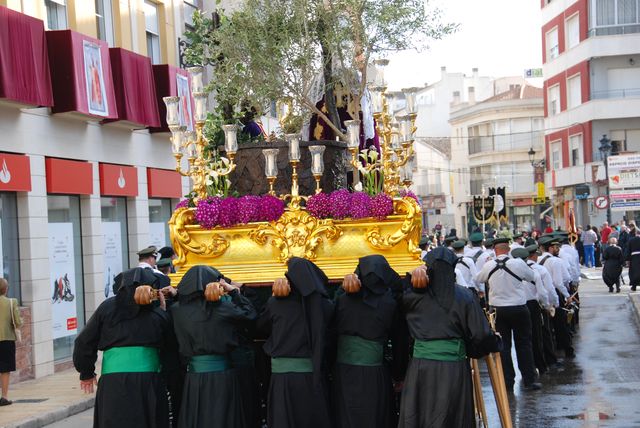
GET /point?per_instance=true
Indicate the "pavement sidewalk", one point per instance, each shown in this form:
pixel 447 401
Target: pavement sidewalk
pixel 43 401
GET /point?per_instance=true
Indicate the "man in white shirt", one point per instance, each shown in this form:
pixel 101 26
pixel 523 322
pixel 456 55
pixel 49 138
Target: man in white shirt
pixel 503 277
pixel 549 306
pixel 518 242
pixel 474 250
pixel 467 268
pixel 535 293
pixel 560 276
pixel 487 254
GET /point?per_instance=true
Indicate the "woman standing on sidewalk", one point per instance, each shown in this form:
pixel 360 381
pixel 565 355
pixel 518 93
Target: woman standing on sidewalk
pixel 9 318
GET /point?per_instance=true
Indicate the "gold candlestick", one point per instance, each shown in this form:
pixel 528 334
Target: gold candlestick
pixel 271 181
pixel 318 177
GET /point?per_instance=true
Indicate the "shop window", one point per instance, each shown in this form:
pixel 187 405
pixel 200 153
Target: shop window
pixel 159 215
pixel 66 274
pixel 56 14
pixel 104 21
pixel 9 246
pixel 116 245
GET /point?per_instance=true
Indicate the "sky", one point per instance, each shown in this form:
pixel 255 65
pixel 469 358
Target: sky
pixel 500 37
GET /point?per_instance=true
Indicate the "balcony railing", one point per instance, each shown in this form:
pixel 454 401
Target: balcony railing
pixel 612 30
pixel 616 93
pixel 506 142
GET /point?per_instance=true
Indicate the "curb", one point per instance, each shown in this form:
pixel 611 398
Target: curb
pixel 54 416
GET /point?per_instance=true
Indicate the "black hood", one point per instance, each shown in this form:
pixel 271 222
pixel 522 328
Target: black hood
pixel 305 277
pixel 125 286
pixel 195 280
pixel 441 264
pixel 376 277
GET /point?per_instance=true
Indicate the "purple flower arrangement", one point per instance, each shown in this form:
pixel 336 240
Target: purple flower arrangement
pixel 214 211
pixel 342 204
pixel 409 193
pixel 183 204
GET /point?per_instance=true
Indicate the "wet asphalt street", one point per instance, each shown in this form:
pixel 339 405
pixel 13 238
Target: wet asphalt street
pixel 601 386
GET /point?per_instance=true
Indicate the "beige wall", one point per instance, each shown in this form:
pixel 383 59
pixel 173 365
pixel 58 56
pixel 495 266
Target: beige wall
pixel 128 22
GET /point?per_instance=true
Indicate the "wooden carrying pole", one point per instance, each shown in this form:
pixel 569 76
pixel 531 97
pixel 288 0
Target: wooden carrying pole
pixel 496 375
pixel 477 393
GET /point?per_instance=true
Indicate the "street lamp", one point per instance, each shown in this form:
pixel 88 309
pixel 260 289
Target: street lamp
pixel 605 149
pixel 532 160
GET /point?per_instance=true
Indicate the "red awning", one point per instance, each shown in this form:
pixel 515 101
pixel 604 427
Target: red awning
pixel 118 180
pixel 81 74
pixel 134 87
pixel 15 173
pixel 24 66
pixel 170 82
pixel 69 177
pixel 164 183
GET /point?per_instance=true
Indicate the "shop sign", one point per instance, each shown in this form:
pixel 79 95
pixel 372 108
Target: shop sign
pixel 624 171
pixel 15 173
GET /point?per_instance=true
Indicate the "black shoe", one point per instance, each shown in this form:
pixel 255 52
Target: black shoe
pixel 535 386
pixel 633 288
pixel 618 290
pixel 610 289
pixel 5 402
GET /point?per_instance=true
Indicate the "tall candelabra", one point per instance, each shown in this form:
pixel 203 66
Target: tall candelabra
pixel 395 132
pixel 204 166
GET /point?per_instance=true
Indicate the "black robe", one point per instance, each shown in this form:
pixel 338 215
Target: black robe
pixel 212 399
pixel 613 262
pixel 363 395
pixel 634 260
pixel 297 326
pixel 135 400
pixel 440 393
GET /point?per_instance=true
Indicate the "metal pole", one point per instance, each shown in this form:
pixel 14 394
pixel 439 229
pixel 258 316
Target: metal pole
pixel 606 172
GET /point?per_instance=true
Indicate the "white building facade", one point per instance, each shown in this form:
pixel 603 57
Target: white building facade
pixel 591 67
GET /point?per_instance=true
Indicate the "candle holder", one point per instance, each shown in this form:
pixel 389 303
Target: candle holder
pixel 317 164
pixel 271 167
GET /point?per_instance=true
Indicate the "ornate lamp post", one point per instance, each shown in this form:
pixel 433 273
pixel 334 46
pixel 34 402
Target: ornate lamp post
pixel 605 149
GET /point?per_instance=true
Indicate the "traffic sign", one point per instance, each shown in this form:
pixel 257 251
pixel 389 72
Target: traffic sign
pixel 601 202
pixel 539 201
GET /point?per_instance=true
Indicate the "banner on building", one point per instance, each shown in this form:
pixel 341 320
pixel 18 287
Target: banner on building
pixel 624 171
pixel 157 234
pixel 112 254
pixel 483 208
pixel 63 276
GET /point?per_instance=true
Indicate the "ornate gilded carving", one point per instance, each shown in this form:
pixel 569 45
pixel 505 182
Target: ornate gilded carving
pixel 410 228
pixel 183 243
pixel 296 233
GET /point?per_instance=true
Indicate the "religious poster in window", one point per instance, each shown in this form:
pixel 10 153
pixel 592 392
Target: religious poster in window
pixel 112 254
pixel 96 92
pixel 62 279
pixel 184 108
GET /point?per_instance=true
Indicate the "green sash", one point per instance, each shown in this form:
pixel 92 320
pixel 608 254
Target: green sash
pixel 440 349
pixel 131 359
pixel 356 351
pixel 291 365
pixel 208 363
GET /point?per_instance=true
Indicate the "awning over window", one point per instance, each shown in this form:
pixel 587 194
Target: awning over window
pixel 24 66
pixel 15 173
pixel 69 177
pixel 170 82
pixel 134 88
pixel 118 180
pixel 164 183
pixel 81 74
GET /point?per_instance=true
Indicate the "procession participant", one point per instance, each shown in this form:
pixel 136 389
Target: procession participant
pixel 365 315
pixel 147 258
pixel 487 254
pixel 164 266
pixel 423 245
pixel 133 337
pixel 570 254
pixel 518 241
pixel 447 326
pixel 558 272
pixel 633 257
pixel 549 304
pixel 449 240
pixel 504 277
pixel 535 293
pixel 205 322
pixel 297 324
pixel 167 253
pixel 466 267
pixel 475 249
pixel 613 263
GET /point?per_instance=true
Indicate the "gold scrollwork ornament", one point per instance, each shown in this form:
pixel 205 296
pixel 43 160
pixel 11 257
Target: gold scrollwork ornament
pixel 183 243
pixel 296 234
pixel 409 230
